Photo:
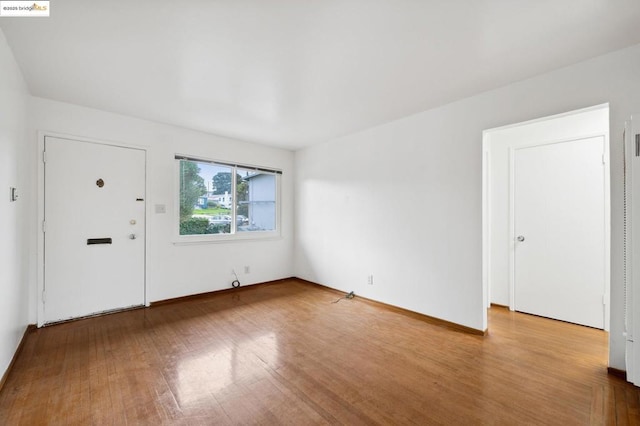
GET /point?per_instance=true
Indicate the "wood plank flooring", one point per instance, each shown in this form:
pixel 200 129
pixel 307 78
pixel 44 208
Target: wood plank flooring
pixel 285 354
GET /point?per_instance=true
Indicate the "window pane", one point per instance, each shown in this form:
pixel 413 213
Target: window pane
pixel 205 198
pixel 256 201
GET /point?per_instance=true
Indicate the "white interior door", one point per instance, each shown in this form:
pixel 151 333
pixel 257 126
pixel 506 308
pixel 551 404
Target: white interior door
pixel 94 228
pixel 559 223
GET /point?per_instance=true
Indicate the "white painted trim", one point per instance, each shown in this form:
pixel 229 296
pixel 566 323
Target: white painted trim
pixel 42 134
pixel 486 227
pixel 39 225
pixel 557 141
pixel 486 231
pixel 547 118
pixel 607 232
pixel 628 326
pixel 512 230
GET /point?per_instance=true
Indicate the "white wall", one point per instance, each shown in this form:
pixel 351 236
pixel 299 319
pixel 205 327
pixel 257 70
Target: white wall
pixel 400 201
pixel 13 226
pixel 498 141
pixel 425 247
pixel 175 270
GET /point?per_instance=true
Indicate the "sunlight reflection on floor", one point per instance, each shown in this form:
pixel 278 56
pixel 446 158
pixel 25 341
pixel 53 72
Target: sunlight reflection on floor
pixel 207 374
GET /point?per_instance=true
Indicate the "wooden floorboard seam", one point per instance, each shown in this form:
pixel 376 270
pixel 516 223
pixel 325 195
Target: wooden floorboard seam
pixel 285 353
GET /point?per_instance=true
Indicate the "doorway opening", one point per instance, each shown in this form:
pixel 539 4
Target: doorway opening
pixel 546 217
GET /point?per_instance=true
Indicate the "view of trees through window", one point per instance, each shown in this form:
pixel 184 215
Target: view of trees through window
pixel 208 204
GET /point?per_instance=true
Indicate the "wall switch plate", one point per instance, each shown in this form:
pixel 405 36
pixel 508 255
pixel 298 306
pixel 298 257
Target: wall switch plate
pixel 370 279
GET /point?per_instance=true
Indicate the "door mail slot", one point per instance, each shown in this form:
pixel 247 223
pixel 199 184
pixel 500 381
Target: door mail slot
pixel 92 241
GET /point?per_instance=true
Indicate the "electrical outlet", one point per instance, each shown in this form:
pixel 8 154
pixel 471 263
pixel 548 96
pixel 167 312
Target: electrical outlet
pixel 247 270
pixel 370 279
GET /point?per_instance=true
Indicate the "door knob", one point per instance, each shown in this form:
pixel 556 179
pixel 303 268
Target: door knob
pixel 132 236
pixel 520 238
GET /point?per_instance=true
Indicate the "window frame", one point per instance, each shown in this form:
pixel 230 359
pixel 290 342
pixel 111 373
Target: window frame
pixel 234 235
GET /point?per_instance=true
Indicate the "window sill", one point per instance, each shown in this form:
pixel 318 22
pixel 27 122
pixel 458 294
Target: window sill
pixel 229 238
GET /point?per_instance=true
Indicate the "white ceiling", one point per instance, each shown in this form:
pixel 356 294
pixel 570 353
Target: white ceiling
pixel 292 73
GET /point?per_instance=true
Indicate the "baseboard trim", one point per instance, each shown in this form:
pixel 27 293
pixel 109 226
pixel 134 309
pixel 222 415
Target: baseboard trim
pixel 30 328
pixel 215 293
pixel 617 373
pixel 422 317
pixel 416 315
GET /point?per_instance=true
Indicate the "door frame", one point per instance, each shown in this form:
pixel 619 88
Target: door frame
pixel 607 216
pixel 487 201
pixel 40 279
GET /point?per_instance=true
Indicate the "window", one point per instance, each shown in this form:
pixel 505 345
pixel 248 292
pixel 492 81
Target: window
pixel 256 201
pixel 224 201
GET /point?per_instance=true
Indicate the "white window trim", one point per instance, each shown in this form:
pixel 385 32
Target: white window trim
pixel 234 236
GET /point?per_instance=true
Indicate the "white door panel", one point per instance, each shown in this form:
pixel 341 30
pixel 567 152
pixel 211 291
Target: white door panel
pixel 559 210
pixel 82 279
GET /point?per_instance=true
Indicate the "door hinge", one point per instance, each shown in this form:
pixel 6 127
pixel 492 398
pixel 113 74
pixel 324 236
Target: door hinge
pixel 44 156
pixel 604 302
pixel 44 296
pixel 603 162
pixel 44 226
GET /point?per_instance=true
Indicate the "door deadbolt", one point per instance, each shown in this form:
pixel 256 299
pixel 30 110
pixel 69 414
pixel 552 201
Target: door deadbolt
pixel 520 238
pixel 132 236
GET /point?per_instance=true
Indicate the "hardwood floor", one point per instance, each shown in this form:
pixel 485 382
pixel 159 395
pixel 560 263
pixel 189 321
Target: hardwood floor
pixel 285 354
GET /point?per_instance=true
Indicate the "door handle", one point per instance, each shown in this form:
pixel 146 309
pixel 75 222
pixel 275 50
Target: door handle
pixel 520 238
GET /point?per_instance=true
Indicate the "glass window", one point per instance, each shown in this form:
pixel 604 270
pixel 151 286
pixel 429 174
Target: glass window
pixel 221 199
pixel 256 201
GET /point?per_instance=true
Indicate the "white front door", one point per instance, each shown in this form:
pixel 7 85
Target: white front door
pixel 94 240
pixel 560 231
